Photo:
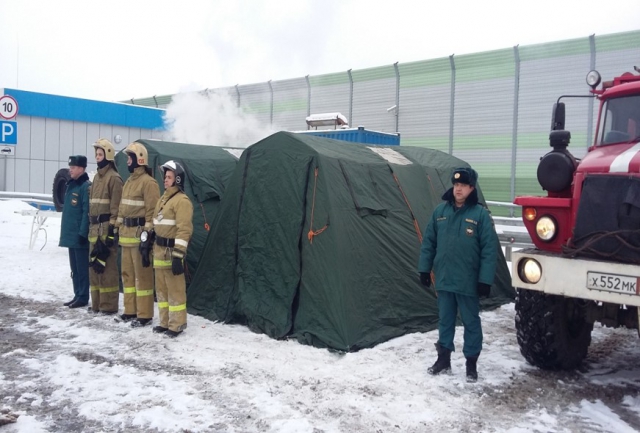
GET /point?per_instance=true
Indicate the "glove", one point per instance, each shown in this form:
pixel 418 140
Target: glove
pixel 98 265
pixel 112 236
pixel 98 257
pixel 177 267
pixel 146 244
pixel 484 290
pixel 82 240
pixel 92 257
pixel 425 279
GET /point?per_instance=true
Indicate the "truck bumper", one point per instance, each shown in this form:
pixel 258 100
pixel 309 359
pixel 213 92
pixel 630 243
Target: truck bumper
pixel 596 280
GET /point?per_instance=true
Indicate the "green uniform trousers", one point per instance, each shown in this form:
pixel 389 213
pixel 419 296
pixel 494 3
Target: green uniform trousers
pixel 448 305
pixel 105 287
pixel 171 291
pixel 138 284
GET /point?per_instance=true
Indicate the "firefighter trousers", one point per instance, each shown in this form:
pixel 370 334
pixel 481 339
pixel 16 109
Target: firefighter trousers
pixel 79 262
pixel 138 284
pixel 469 306
pixel 171 291
pixel 105 286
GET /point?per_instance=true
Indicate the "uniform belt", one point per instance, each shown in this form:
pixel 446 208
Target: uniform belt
pixel 102 218
pixel 133 222
pixel 165 242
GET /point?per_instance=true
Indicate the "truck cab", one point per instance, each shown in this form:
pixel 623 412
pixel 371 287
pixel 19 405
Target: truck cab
pixel 585 266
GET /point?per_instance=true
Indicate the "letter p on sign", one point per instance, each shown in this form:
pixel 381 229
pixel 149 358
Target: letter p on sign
pixel 8 133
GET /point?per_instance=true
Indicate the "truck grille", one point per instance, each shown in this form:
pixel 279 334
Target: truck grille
pixel 608 220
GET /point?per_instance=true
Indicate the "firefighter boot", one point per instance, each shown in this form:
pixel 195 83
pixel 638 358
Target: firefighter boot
pixel 139 323
pixel 443 363
pixel 472 372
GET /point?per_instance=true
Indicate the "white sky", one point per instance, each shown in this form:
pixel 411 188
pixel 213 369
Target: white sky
pixel 71 368
pixel 122 49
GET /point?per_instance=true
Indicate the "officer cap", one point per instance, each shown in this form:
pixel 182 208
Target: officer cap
pixel 78 161
pixel 466 175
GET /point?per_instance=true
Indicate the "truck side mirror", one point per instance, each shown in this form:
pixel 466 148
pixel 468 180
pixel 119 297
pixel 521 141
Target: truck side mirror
pixel 557 117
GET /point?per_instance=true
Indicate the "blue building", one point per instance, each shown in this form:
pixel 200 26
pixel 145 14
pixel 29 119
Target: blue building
pixel 38 132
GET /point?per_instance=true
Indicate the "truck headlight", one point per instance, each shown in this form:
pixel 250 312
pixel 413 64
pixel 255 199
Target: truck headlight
pixel 546 228
pixel 529 271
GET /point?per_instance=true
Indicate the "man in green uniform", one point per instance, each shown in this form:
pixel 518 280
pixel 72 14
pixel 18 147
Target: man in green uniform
pixel 104 200
pixel 74 229
pixel 173 227
pixel 460 247
pixel 135 221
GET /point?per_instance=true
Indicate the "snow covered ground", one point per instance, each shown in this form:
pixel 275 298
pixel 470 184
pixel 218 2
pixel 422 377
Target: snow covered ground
pixel 64 370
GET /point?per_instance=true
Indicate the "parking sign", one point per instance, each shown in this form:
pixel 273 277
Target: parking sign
pixel 8 133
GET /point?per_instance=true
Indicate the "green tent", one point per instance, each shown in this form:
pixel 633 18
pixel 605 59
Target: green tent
pixel 318 240
pixel 208 170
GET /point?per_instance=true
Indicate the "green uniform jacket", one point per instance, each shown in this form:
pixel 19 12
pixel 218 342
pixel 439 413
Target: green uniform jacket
pixel 140 194
pixel 75 213
pixel 460 246
pixel 105 194
pixel 175 223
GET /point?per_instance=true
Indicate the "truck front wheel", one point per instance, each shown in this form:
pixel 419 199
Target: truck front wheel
pixel 60 188
pixel 552 331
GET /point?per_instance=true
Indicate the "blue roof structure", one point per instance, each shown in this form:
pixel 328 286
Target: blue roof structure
pixel 86 110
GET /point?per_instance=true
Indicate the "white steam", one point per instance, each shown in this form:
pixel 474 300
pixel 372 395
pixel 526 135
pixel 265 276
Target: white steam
pixel 211 119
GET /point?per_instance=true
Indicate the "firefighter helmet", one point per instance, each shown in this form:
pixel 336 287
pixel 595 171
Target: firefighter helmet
pixel 107 148
pixel 138 152
pixel 177 169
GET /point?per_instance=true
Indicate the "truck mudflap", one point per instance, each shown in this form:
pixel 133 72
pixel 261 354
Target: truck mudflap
pixel 596 280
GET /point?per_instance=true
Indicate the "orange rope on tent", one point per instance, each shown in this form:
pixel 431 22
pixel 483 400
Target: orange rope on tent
pixel 312 233
pixel 431 185
pixel 206 224
pixel 406 200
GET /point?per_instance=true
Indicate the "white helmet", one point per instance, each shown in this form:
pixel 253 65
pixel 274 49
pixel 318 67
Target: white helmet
pixel 177 169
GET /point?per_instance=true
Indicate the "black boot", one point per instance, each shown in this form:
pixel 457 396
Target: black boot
pixel 443 363
pixel 127 317
pixel 139 323
pixel 172 334
pixel 472 372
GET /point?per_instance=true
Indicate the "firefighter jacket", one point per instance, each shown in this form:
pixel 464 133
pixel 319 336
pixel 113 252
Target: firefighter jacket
pixel 75 213
pixel 173 224
pixel 104 200
pixel 460 245
pixel 135 214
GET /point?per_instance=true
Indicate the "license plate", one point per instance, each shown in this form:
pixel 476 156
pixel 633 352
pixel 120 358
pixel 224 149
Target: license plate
pixel 612 283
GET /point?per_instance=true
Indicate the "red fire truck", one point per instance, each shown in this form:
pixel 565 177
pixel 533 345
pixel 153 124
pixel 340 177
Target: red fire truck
pixel 585 266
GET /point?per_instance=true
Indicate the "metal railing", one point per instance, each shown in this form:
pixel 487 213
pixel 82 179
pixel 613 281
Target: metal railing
pixel 42 208
pixel 511 231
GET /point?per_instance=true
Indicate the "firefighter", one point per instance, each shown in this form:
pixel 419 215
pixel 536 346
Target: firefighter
pixel 135 222
pixel 74 229
pixel 460 246
pixel 173 229
pixel 104 201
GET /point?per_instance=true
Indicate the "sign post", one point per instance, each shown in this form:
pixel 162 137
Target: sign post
pixel 8 130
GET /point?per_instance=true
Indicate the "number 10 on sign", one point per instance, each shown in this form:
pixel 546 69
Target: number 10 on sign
pixel 8 107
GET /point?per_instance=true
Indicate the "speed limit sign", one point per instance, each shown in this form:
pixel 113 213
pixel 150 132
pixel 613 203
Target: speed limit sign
pixel 8 107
